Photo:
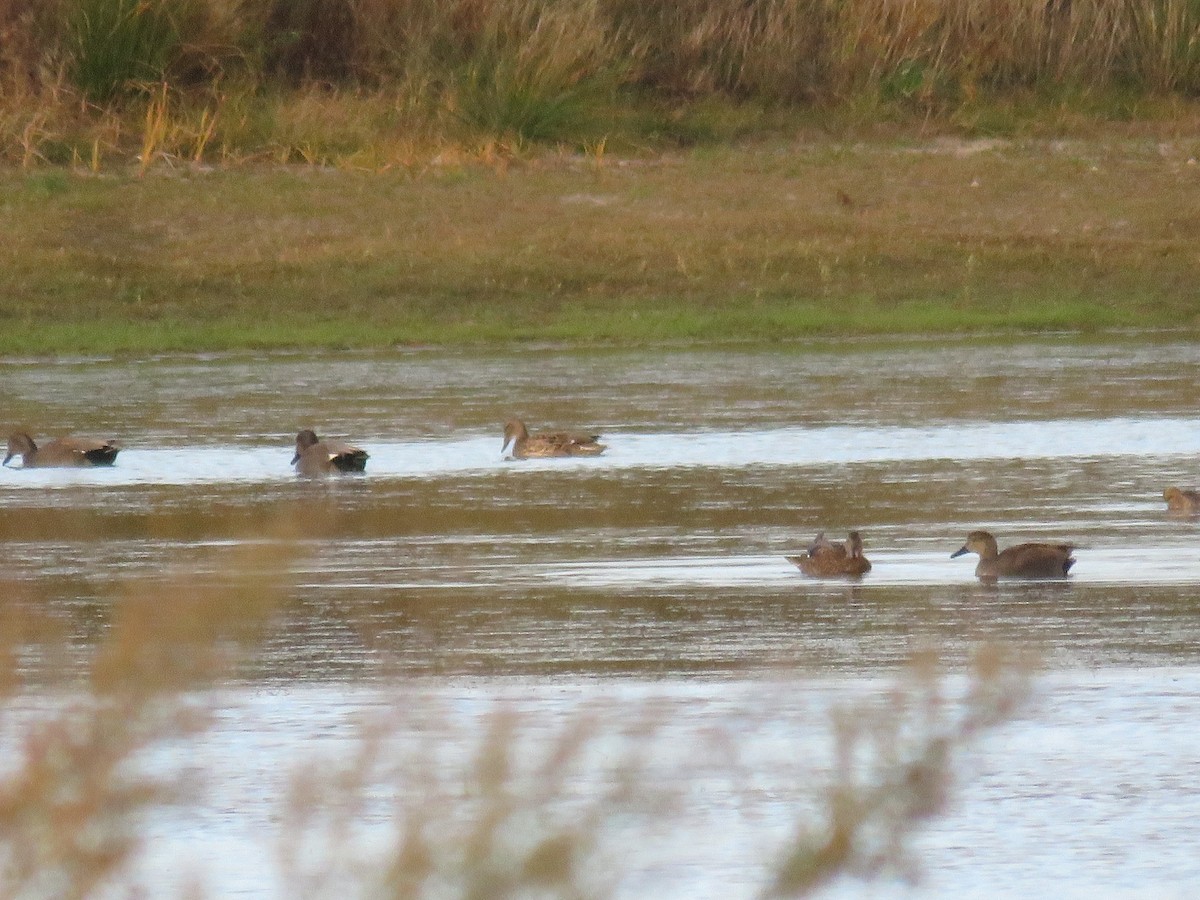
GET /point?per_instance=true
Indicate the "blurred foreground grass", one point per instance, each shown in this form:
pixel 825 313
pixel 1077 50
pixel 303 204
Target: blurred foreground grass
pixel 505 809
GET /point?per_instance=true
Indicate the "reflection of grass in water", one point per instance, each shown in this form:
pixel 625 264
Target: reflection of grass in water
pixel 71 806
pixel 512 808
pixel 567 807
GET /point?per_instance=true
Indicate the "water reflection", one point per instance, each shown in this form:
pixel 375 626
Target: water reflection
pixel 1094 795
pixel 657 568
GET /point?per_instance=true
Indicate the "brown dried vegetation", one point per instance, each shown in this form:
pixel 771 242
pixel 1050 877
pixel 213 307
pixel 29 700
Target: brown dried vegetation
pixel 507 807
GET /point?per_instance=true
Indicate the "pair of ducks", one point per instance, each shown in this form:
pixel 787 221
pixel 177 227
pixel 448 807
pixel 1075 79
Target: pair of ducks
pixel 315 457
pixel 825 559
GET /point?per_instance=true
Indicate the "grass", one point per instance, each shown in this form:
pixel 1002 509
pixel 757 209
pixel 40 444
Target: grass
pixel 769 241
pixel 74 799
pixel 373 82
pixel 778 50
pixel 102 733
pixel 116 44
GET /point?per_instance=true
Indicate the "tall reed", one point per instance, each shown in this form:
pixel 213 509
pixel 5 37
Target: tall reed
pixel 791 50
pixel 557 70
pixel 1166 44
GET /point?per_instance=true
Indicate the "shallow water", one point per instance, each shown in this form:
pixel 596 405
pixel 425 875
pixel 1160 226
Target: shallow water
pixel 655 574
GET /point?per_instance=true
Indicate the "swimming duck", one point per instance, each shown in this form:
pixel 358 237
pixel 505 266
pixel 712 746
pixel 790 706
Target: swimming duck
pixel 825 559
pixel 1182 500
pixel 315 457
pixel 1021 561
pixel 557 443
pixel 63 452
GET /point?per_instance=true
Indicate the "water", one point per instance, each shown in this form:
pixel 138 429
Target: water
pixel 652 577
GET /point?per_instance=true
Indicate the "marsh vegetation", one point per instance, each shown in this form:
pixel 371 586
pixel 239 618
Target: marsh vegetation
pixel 388 83
pixel 734 245
pixel 216 174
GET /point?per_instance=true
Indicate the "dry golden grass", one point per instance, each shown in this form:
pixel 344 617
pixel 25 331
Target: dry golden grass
pixel 519 804
pixel 74 796
pixel 638 74
pixel 494 809
pixel 895 762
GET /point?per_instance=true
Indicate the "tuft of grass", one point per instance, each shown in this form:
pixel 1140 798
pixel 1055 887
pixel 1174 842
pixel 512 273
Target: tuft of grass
pixel 155 131
pixel 1166 41
pixel 909 742
pixel 537 72
pixel 117 45
pixel 47 184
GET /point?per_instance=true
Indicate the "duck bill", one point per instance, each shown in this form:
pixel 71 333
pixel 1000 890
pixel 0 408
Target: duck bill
pixel 296 458
pixel 7 458
pixel 959 552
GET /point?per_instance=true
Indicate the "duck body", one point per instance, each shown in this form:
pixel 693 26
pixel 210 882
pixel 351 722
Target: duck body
pixel 1032 560
pixel 1182 500
pixel 315 457
pixel 64 452
pixel 825 559
pixel 547 444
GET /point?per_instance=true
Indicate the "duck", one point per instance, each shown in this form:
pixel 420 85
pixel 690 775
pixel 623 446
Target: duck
pixel 62 452
pixel 315 457
pixel 825 559
pixel 1033 560
pixel 557 443
pixel 1182 500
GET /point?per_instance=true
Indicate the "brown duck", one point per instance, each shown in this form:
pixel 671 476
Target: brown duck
pixel 1020 561
pixel 1182 500
pixel 825 559
pixel 60 453
pixel 556 443
pixel 315 457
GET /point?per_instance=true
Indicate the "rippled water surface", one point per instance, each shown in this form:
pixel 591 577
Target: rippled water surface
pixel 655 575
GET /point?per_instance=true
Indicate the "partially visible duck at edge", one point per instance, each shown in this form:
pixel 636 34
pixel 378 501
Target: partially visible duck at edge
pixel 315 457
pixel 556 443
pixel 825 559
pixel 1033 560
pixel 1181 500
pixel 64 452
